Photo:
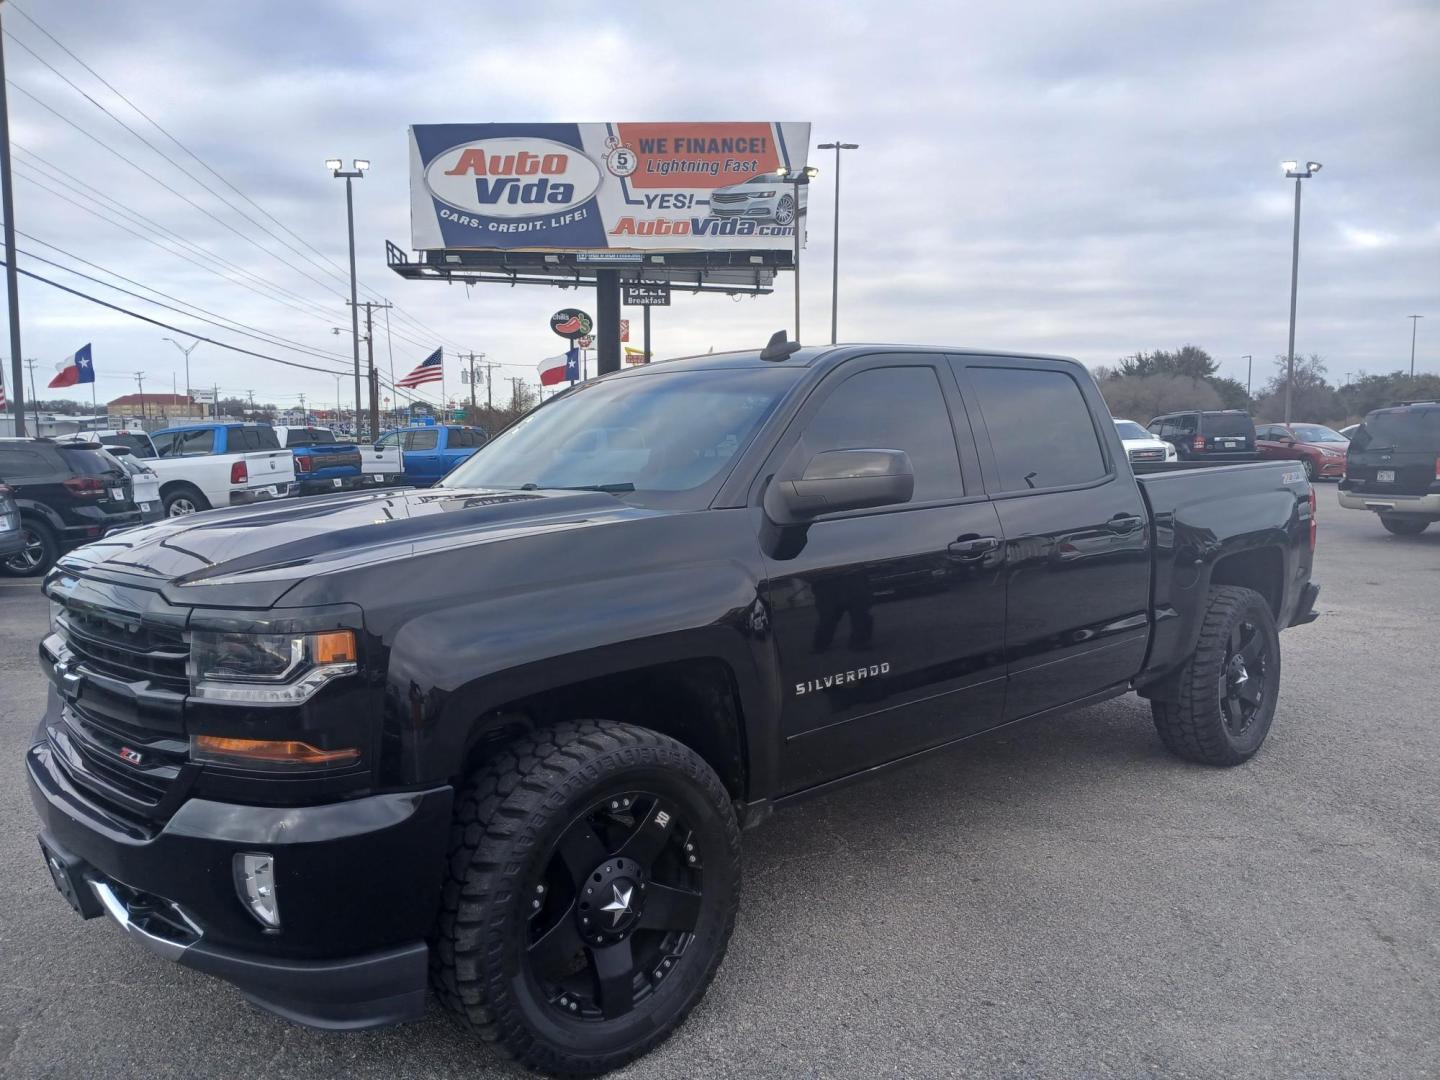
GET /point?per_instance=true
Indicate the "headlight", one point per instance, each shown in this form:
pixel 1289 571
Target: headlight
pixel 268 669
pixel 762 194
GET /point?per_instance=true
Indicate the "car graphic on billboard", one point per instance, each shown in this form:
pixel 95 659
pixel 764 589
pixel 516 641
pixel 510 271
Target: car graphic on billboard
pixel 762 198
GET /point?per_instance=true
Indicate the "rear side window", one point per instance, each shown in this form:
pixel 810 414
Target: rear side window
pixel 893 408
pixel 1040 428
pixel 193 443
pixel 21 463
pixel 138 444
pixel 1228 423
pixel 1407 431
pixel 164 443
pixel 87 462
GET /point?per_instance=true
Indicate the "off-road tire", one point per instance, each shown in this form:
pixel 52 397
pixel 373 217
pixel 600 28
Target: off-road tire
pixel 1397 525
pixel 508 818
pixel 1189 718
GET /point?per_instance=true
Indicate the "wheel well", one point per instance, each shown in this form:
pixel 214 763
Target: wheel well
pixel 694 702
pixel 1261 569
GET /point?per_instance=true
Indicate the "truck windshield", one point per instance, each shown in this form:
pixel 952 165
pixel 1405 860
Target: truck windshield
pixel 663 439
pixel 1128 429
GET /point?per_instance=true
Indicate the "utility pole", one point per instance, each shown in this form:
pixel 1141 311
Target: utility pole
pixel 372 379
pixel 357 170
pixel 303 414
pixel 1249 366
pixel 515 383
pixel 252 399
pixel 1414 322
pixel 12 274
pixel 140 382
pixel 187 353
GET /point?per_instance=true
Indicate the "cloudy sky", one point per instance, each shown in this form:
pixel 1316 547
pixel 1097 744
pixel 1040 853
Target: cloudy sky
pixel 1087 179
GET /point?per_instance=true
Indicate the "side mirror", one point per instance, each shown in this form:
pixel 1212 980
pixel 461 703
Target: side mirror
pixel 837 480
pixel 1286 440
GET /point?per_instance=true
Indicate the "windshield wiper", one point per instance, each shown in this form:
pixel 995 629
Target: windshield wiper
pixel 609 489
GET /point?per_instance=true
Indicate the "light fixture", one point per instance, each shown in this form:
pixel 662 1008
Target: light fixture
pixel 255 882
pixel 1289 166
pixel 452 258
pixel 811 171
pixel 361 164
pixel 334 164
pixel 552 258
pixel 1314 166
pixel 781 170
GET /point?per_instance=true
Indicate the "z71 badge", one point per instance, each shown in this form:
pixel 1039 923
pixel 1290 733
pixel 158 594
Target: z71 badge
pixel 842 678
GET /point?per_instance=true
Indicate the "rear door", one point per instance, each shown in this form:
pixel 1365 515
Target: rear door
pixel 1077 555
pixel 888 622
pixel 1227 432
pixel 1396 451
pixel 423 460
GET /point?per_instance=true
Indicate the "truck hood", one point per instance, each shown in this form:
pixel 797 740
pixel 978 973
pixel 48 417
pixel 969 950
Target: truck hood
pixel 278 544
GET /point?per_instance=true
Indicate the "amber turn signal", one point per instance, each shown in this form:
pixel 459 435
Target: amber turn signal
pixel 282 752
pixel 333 647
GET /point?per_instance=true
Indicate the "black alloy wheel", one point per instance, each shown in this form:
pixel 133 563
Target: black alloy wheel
pixel 592 883
pixel 38 554
pixel 616 906
pixel 1243 677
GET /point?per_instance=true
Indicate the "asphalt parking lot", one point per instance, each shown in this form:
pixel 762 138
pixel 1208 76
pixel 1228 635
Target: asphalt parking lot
pixel 1063 900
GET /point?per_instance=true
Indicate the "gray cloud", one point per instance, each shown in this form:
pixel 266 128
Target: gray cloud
pixel 1084 179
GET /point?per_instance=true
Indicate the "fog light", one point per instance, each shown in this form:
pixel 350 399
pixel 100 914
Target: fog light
pixel 255 882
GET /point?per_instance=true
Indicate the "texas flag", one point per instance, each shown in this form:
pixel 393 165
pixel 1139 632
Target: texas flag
pixel 558 369
pixel 75 369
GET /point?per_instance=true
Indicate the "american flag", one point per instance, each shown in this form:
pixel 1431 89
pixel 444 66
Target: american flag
pixel 431 370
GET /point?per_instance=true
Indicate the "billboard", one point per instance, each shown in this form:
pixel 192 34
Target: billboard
pixel 606 186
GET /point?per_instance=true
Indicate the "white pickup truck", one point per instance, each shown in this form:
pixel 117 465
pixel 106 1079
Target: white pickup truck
pixel 202 466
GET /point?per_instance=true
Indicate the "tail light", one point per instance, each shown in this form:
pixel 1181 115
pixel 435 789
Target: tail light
pixel 86 487
pixel 1315 525
pixel 1198 443
pixel 302 464
pixel 238 473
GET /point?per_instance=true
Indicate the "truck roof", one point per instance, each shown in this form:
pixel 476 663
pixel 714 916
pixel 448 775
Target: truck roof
pixel 825 355
pixel 212 424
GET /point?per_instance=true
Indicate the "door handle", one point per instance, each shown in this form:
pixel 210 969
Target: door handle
pixel 1124 523
pixel 970 548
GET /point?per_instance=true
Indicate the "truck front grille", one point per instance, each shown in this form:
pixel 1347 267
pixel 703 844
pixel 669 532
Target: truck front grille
pixel 1147 455
pixel 120 736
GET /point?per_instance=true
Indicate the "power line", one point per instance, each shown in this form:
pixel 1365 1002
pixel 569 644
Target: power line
pixel 336 269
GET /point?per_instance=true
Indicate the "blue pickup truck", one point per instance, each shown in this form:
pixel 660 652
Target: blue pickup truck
pixel 433 450
pixel 321 463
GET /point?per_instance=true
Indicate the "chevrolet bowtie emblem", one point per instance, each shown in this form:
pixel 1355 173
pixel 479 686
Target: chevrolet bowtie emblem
pixel 620 905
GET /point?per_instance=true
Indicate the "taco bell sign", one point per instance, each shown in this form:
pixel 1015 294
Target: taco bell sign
pixel 606 186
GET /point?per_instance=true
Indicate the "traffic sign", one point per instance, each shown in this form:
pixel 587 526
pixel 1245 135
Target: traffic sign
pixel 644 294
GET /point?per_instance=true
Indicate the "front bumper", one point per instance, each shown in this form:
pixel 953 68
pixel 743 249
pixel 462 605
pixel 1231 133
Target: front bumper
pixel 1423 505
pixel 246 496
pixel 1331 468
pixel 357 882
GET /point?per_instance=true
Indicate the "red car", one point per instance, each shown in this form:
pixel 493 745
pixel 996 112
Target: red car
pixel 1321 449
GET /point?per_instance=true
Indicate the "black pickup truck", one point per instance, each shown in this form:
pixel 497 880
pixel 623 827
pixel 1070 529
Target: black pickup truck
pixel 501 736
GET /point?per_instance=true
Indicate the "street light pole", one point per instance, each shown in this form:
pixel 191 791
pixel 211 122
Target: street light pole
pixel 1293 171
pixel 1414 322
pixel 1249 365
pixel 356 171
pixel 800 179
pixel 835 254
pixel 187 353
pixel 12 274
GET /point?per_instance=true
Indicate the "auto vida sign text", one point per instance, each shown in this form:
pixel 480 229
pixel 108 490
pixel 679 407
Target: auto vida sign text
pixel 607 186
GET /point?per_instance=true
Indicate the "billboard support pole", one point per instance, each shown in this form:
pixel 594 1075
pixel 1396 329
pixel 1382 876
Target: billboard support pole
pixel 607 310
pixel 646 332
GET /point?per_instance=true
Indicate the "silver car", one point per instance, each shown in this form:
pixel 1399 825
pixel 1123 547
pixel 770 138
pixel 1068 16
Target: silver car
pixel 761 198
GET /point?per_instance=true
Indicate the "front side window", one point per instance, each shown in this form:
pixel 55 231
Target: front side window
pixel 1040 428
pixel 1317 433
pixel 664 437
pixel 892 408
pixel 392 439
pixel 424 439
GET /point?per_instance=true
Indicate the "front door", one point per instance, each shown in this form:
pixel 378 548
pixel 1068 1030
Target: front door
pixel 889 622
pixel 1077 550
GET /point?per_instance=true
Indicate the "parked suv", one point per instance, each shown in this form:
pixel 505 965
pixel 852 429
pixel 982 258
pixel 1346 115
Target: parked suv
pixel 1219 433
pixel 1393 467
pixel 1320 449
pixel 66 495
